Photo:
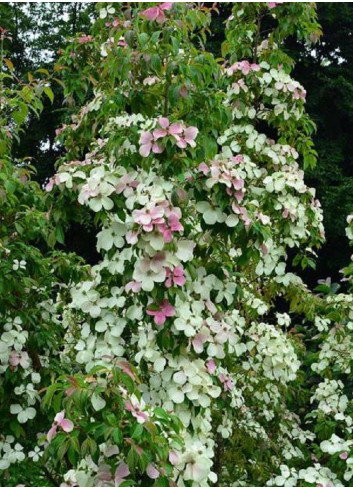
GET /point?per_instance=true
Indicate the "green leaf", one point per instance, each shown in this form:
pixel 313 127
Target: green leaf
pixel 49 93
pixel 137 431
pixel 98 402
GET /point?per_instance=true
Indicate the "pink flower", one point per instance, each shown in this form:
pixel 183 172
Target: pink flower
pixel 148 144
pixel 132 237
pixel 173 225
pixel 198 341
pixel 175 277
pixel 157 13
pixel 126 368
pixel 227 382
pixel 204 168
pixel 243 214
pixel 188 137
pixel 126 185
pixel 237 159
pixel 21 358
pixel 264 249
pixel 84 39
pixel 164 310
pixel 183 92
pixel 52 181
pixel 152 471
pixel 167 128
pixel 343 455
pixel 272 5
pixel 173 457
pixel 59 130
pixel 263 218
pixel 136 411
pixel 134 286
pixel 122 471
pixel 148 216
pixel 244 66
pixel 211 366
pixel 62 422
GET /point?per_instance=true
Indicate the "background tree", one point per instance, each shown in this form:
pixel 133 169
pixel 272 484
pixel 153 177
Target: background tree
pixel 39 31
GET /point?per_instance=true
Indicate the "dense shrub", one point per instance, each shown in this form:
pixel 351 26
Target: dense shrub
pixel 192 353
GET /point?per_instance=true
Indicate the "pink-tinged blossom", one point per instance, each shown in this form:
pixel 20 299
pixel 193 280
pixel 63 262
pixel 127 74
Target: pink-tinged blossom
pixel 211 366
pixel 133 286
pixel 243 214
pixel 175 277
pixel 152 471
pixel 59 130
pixel 62 422
pixel 222 331
pixel 157 13
pixel 150 80
pixel 167 129
pixel 19 358
pixel 148 144
pixel 171 223
pixel 199 340
pixel 122 43
pixel 264 249
pixel 52 181
pixel 204 168
pixel 149 216
pixel 136 411
pixel 343 455
pixel 237 159
pixel 84 39
pixel 164 310
pixel 173 458
pixel 122 471
pixel 132 237
pixel 211 306
pixel 272 5
pixel 183 136
pixel 183 92
pixel 126 185
pixel 244 66
pixel 263 218
pixel 187 137
pixel 227 382
pixel 126 368
pixel 87 192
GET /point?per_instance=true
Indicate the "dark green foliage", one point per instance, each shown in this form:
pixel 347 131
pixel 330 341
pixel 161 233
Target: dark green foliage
pixel 39 32
pixel 327 74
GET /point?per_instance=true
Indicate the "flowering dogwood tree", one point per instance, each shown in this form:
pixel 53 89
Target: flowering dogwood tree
pixel 192 353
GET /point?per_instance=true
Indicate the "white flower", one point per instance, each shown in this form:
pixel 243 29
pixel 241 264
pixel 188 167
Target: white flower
pixel 189 319
pixel 97 203
pixel 19 264
pixel 210 214
pixel 197 469
pixel 105 11
pixel 185 251
pixel 113 235
pixel 148 271
pixel 23 414
pixel 35 454
pixel 335 444
pixel 176 394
